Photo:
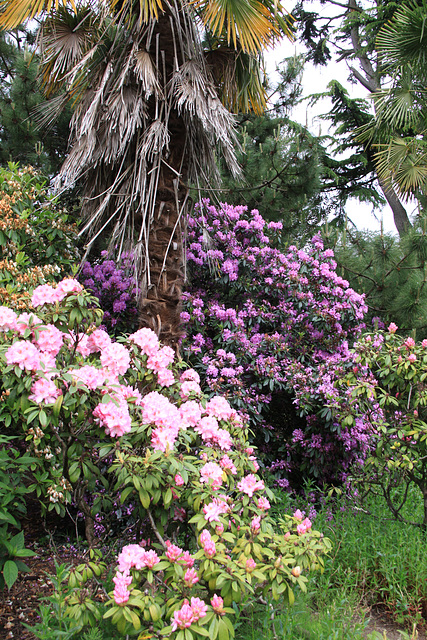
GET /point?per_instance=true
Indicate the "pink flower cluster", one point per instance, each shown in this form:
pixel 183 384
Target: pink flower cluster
pixel 114 417
pixel 249 484
pixel 189 613
pixel 46 294
pixel 132 555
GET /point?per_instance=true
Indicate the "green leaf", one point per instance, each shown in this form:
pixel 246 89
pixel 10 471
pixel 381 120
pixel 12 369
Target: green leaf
pixel 10 573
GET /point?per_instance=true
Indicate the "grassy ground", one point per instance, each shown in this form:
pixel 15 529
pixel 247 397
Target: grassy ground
pixel 376 563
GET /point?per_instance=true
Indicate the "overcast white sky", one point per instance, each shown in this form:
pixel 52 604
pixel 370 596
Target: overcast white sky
pixel 315 80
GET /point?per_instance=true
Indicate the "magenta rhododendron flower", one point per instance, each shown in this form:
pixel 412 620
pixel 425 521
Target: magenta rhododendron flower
pixel 392 327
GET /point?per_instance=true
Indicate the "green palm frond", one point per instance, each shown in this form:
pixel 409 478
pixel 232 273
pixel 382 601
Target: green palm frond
pixel 404 39
pixel 403 164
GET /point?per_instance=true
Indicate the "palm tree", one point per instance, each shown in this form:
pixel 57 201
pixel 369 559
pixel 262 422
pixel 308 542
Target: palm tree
pixel 399 129
pixel 153 84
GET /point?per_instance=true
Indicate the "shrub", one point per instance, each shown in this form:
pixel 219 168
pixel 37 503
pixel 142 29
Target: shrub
pixel 270 331
pixel 181 460
pixel 37 242
pixel 388 385
pixel 114 286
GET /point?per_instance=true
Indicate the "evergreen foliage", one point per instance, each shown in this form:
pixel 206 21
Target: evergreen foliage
pixel 20 139
pixel 390 271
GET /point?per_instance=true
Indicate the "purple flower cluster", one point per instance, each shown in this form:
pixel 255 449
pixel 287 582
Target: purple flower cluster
pixel 114 286
pixel 262 324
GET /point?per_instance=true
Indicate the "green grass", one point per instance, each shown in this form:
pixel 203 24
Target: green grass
pixel 375 562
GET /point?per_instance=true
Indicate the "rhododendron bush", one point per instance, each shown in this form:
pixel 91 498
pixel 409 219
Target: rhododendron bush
pixel 109 418
pixel 388 384
pixel 271 330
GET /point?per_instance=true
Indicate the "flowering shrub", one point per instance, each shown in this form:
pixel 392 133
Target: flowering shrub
pixel 269 329
pixel 117 414
pixel 114 286
pixel 37 244
pixel 388 385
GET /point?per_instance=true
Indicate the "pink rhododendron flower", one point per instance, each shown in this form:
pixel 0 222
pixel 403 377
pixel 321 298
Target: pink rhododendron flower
pixel 151 559
pixel 424 343
pixel 190 412
pixel 89 375
pixel 205 536
pixel 217 604
pixel 161 359
pixel 68 285
pixel 158 410
pixel 173 552
pixel 183 618
pixel 7 319
pixel 220 408
pixel 98 340
pixel 304 526
pixel 189 387
pixel 115 419
pixel 211 471
pixel 199 608
pixel 179 480
pixel 250 565
pixel 163 438
pixel 254 462
pixel 209 548
pixel 392 327
pixel 44 294
pixel 146 340
pixel 132 555
pixel 298 515
pixel 263 504
pixel 214 509
pixel 219 529
pixel 24 354
pixel 190 577
pixel 190 374
pixel 412 357
pixel 256 525
pixel 45 391
pixel 49 339
pixel 227 463
pixel 296 571
pixel 249 484
pixel 165 378
pixel 121 592
pixel 409 343
pixel 115 358
pixel 187 559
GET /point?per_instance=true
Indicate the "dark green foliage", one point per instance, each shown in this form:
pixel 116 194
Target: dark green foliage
pixel 392 273
pixel 20 139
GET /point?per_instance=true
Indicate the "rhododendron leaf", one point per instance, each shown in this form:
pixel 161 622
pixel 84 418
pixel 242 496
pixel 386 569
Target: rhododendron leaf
pixel 223 633
pixel 57 406
pixel 201 631
pixel 291 597
pixel 145 498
